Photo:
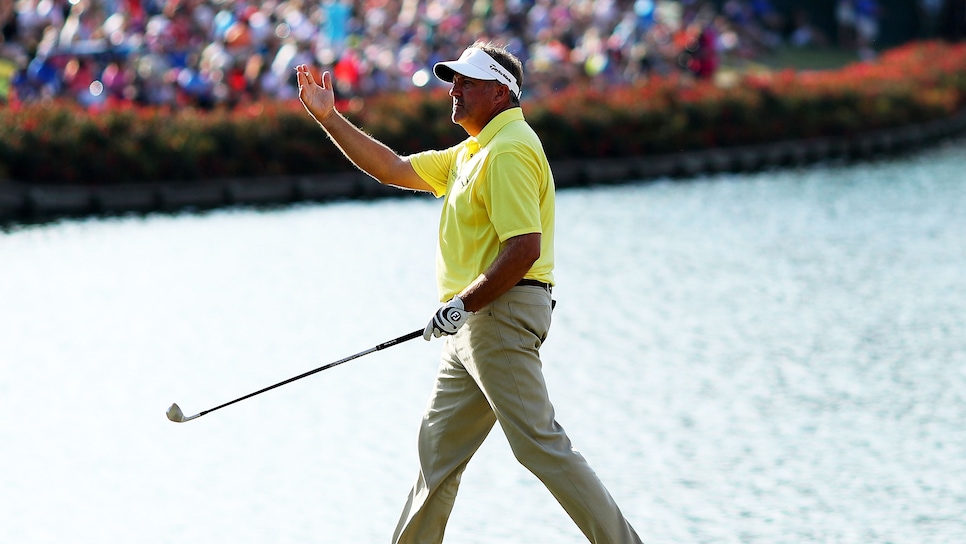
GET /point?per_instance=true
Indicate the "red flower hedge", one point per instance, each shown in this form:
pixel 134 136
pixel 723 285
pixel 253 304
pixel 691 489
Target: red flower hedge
pixel 62 143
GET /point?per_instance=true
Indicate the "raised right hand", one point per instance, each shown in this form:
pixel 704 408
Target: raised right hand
pixel 319 100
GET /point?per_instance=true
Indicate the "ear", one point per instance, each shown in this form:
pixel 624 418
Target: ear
pixel 502 93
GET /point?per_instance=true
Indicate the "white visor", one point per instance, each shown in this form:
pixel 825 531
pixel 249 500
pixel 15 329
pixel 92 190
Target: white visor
pixel 475 63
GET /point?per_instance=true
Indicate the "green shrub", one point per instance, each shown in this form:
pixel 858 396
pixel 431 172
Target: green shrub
pixel 55 142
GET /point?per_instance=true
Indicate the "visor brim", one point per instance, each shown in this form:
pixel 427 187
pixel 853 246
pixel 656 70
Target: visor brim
pixel 446 70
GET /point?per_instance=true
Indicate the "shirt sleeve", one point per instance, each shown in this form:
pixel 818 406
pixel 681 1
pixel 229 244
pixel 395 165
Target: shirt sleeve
pixel 435 167
pixel 511 195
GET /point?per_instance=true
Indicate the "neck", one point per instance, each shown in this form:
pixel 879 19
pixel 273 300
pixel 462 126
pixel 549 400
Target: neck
pixel 475 131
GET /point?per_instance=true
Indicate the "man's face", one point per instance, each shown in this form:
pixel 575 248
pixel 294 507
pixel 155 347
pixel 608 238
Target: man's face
pixel 475 102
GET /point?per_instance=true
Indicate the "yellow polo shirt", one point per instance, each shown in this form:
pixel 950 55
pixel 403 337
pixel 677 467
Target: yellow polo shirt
pixel 496 186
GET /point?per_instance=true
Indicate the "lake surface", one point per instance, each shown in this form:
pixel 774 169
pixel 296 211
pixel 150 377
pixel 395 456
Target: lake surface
pixel 767 358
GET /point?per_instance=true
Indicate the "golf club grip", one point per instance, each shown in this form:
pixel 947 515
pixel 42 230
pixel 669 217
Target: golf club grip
pixel 400 340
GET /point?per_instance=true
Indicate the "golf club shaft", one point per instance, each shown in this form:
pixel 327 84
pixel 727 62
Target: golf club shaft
pixel 384 345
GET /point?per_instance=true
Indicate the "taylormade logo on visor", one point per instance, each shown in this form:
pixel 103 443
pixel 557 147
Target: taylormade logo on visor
pixel 475 63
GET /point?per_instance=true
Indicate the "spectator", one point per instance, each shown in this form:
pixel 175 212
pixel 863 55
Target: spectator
pixel 214 52
pixel 804 33
pixel 845 17
pixel 930 12
pixel 867 13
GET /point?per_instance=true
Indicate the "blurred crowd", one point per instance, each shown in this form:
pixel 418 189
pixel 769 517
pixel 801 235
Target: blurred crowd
pixel 211 52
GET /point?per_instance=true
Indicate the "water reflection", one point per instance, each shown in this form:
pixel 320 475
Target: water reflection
pixel 768 358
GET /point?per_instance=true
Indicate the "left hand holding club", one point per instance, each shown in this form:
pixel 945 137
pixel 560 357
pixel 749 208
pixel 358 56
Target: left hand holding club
pixel 447 320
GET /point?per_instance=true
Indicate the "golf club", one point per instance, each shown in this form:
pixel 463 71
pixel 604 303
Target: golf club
pixel 175 414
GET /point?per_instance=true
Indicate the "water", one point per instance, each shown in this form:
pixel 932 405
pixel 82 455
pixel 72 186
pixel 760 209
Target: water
pixel 778 357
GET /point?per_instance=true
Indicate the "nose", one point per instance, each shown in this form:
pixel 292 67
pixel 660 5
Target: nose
pixel 457 88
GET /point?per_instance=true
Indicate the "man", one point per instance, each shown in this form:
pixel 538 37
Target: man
pixel 494 271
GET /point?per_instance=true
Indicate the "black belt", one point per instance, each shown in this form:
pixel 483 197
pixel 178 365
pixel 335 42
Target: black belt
pixel 535 283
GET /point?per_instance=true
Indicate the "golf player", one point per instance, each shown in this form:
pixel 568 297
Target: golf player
pixel 494 267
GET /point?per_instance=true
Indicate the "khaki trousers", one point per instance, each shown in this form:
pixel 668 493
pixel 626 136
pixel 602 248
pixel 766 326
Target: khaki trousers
pixel 490 371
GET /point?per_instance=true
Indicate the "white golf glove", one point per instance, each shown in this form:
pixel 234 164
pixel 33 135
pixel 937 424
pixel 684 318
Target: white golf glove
pixel 447 320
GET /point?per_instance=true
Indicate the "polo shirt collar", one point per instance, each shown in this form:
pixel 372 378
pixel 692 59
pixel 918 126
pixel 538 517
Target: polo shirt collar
pixel 496 124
